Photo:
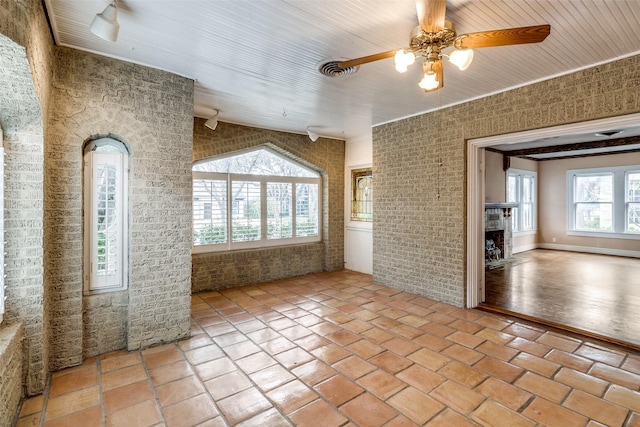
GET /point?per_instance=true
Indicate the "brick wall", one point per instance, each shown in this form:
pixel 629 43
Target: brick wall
pixel 25 79
pixel 151 111
pixel 419 238
pixel 11 365
pixel 220 270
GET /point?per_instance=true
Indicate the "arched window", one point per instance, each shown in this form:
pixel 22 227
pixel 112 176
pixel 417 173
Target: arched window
pixel 254 199
pixel 105 215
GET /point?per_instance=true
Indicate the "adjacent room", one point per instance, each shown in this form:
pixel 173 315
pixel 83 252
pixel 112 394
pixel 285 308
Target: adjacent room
pixel 569 253
pixel 273 213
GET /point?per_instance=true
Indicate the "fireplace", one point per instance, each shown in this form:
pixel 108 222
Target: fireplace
pixel 497 232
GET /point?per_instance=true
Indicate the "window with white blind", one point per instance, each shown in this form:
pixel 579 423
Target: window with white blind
pixel 105 210
pixel 521 189
pixel 604 202
pixel 254 199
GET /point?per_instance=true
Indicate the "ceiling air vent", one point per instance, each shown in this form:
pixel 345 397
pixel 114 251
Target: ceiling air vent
pixel 331 69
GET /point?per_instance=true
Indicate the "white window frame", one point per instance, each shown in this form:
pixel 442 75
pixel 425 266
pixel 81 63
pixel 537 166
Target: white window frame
pixel 94 283
pixel 627 202
pixel 518 229
pixel 619 202
pixel 229 178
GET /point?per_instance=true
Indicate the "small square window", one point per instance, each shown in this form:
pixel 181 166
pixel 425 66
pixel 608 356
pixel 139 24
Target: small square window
pixel 362 195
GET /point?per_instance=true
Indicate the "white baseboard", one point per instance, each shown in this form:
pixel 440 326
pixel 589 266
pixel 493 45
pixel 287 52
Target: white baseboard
pixel 587 249
pixel 524 248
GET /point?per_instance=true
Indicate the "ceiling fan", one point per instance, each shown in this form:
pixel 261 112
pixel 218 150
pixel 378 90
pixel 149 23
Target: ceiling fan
pixel 432 36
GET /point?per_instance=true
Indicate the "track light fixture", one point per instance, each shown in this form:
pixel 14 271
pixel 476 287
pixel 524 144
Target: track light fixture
pixel 312 135
pixel 105 24
pixel 212 121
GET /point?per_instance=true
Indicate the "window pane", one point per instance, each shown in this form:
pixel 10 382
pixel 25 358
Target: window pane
pixel 106 220
pixel 257 162
pixel 209 212
pixel 246 207
pixel 633 199
pixel 633 217
pixel 512 188
pixel 594 216
pixel 362 195
pixel 594 188
pixel 279 214
pixel 527 189
pixel 306 210
pixel 633 187
pixel 527 216
pixel 515 219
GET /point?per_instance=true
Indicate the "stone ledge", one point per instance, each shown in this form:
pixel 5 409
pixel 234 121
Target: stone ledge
pixel 11 365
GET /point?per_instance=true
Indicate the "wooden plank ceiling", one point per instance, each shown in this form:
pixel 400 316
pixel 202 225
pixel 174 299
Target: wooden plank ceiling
pixel 256 61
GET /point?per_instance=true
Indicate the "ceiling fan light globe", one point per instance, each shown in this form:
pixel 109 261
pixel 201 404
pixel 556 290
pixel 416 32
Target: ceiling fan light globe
pixel 105 24
pixel 461 58
pixel 403 59
pixel 429 81
pixel 409 58
pixel 401 68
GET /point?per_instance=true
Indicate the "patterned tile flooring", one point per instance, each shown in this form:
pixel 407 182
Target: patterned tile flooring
pixel 336 349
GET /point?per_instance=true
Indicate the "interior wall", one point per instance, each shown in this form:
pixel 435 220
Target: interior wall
pixel 419 232
pixel 151 111
pixel 217 270
pixel 553 202
pixel 358 236
pixel 26 50
pixel 495 190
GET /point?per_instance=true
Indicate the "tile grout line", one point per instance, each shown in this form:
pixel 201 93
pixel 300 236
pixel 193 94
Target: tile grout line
pixel 239 369
pixel 313 388
pixel 103 410
pixel 154 389
pixel 195 373
pixel 293 297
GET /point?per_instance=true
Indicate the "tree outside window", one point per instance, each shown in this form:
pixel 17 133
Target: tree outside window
pixel 604 201
pixel 594 202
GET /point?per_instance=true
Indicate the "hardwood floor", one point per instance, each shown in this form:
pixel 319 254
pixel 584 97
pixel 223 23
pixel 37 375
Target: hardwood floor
pixel 598 294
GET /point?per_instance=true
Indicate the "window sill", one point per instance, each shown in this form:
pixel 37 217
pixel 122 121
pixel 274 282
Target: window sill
pixel 604 234
pixel 209 249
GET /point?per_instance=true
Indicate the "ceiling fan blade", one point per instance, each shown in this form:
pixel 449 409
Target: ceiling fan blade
pixel 431 14
pixel 508 36
pixel 366 59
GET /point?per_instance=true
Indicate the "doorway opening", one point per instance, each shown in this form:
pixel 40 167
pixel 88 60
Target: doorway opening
pixel 476 190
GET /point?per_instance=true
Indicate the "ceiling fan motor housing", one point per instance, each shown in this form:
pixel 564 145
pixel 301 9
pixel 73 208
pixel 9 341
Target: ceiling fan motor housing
pixel 429 45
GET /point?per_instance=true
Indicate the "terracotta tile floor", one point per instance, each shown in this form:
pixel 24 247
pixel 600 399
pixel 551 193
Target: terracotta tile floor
pixel 335 349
